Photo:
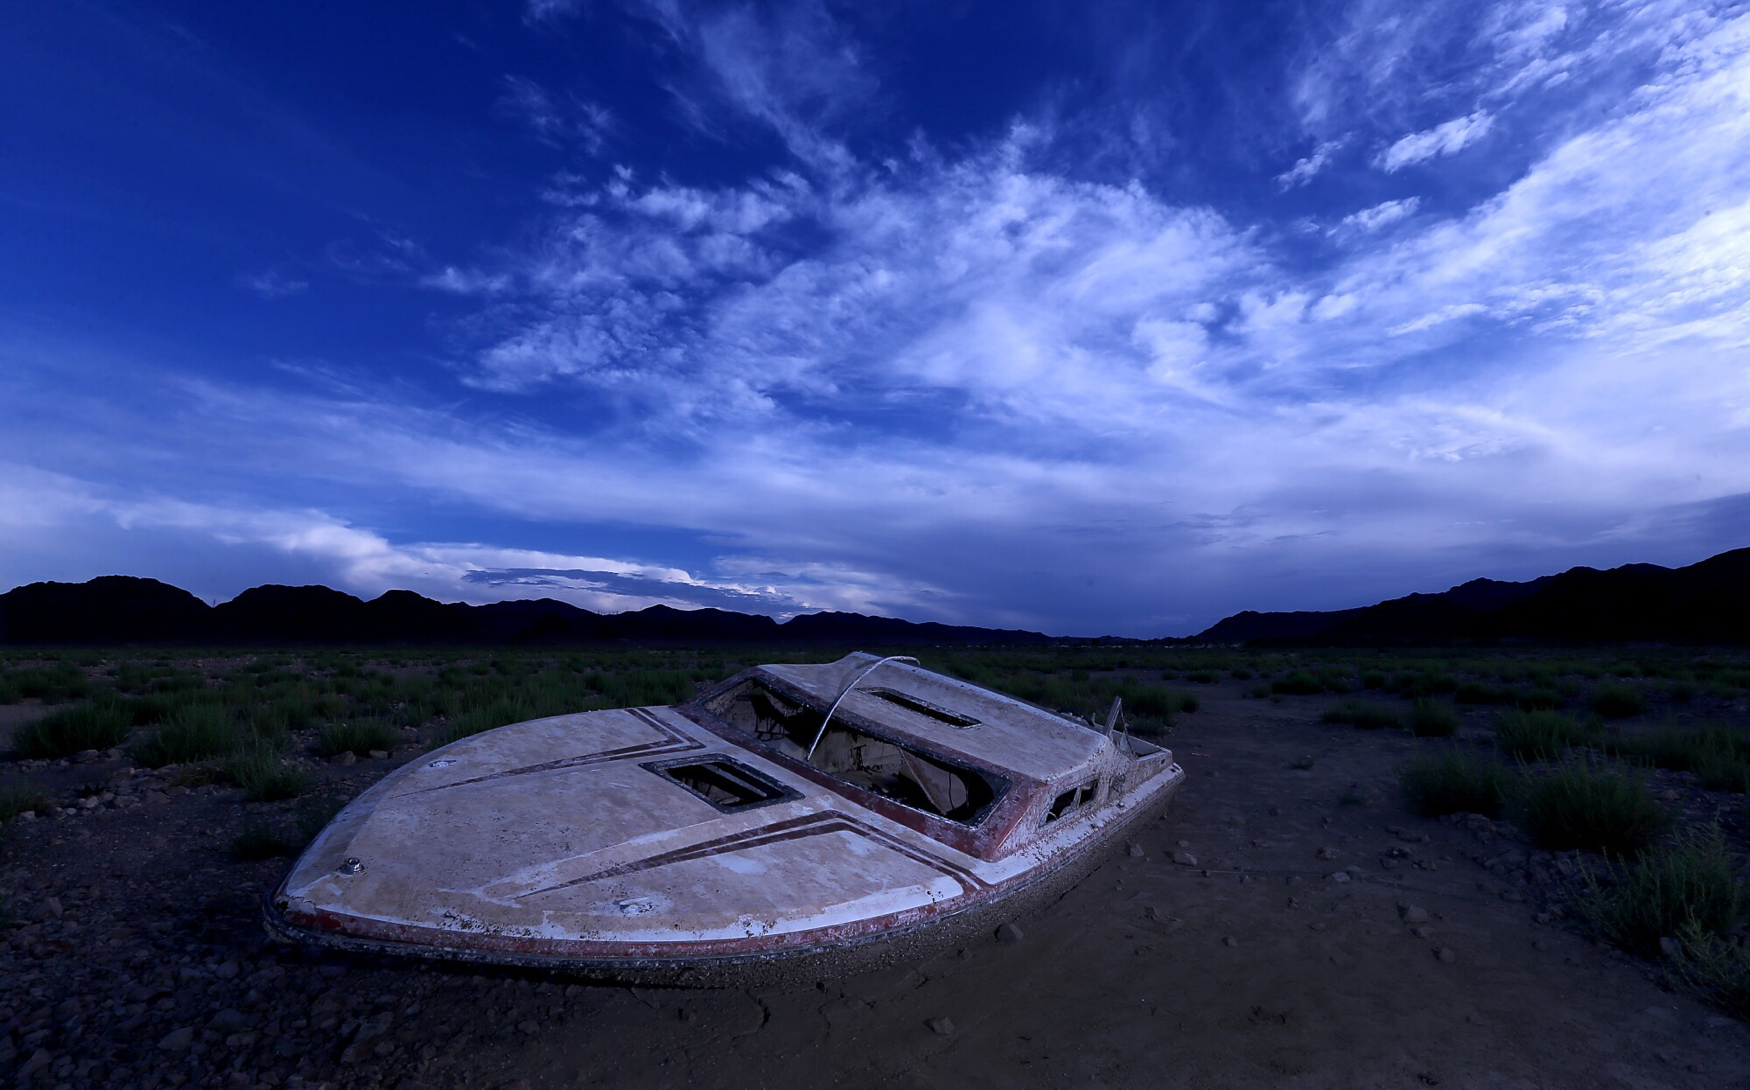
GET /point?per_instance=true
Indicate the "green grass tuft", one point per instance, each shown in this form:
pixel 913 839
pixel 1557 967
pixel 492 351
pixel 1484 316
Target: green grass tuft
pixel 97 724
pixel 359 736
pixel 265 776
pixel 1430 718
pixel 197 732
pixel 1594 807
pixel 1538 735
pixel 1454 781
pixel 1690 889
pixel 18 795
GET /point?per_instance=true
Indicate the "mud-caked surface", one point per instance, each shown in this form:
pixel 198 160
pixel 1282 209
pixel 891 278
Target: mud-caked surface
pixel 1279 926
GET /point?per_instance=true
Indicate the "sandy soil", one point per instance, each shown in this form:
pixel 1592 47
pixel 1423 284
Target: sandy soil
pixel 1251 966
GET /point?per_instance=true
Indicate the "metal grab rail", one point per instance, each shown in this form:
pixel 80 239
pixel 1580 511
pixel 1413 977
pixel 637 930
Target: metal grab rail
pixel 846 691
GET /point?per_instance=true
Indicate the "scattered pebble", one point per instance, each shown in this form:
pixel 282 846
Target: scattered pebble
pixel 1008 934
pixel 1413 914
pixel 1184 859
pixel 1446 955
pixel 943 1026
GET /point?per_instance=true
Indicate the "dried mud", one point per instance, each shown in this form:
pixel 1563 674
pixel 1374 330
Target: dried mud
pixel 138 959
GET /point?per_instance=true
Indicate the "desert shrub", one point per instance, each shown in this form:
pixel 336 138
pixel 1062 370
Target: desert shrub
pixel 1297 683
pixel 1719 756
pixel 97 724
pixel 1240 673
pixel 1203 677
pixel 1681 691
pixel 1259 691
pixel 197 732
pixel 261 772
pixel 1586 805
pixel 1715 968
pixel 1691 887
pixel 50 684
pixel 1361 713
pixel 1537 736
pixel 1616 700
pixel 18 795
pixel 1430 718
pixel 1454 781
pixel 1539 699
pixel 359 736
pixel 1373 679
pixel 1476 692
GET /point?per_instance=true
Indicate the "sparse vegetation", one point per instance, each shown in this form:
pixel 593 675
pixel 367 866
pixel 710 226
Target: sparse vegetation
pixel 1430 718
pixel 198 732
pixel 266 776
pixel 361 736
pixel 1537 735
pixel 1719 756
pixel 17 796
pixel 1690 889
pixel 1450 780
pixel 96 724
pixel 1589 805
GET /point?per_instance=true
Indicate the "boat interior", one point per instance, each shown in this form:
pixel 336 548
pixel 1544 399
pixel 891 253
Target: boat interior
pixel 885 766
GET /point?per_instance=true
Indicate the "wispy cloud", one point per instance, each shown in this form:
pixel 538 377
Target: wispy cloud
pixel 561 120
pixel 1381 215
pixel 1304 170
pixel 274 284
pixel 1447 138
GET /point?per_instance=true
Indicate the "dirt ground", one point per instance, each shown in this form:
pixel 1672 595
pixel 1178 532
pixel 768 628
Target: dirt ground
pixel 1279 926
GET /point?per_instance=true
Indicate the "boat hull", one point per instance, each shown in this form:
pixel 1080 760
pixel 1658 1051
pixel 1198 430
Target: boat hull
pixel 779 958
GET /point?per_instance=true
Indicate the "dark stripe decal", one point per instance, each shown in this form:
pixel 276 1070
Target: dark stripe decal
pixel 826 821
pixel 673 741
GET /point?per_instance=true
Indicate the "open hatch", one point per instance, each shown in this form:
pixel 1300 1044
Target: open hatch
pixel 868 759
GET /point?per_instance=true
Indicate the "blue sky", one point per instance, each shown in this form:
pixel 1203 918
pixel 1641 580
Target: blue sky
pixel 1111 318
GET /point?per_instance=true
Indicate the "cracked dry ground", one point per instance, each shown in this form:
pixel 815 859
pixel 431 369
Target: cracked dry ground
pixel 137 960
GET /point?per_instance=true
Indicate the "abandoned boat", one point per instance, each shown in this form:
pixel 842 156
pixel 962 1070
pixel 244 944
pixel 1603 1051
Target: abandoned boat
pixel 791 822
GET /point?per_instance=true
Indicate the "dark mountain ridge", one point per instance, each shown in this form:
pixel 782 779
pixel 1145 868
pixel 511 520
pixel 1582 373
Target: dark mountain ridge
pixel 120 609
pixel 1705 602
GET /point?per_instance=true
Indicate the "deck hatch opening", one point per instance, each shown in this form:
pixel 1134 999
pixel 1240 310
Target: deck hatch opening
pixel 923 707
pixel 725 783
pixel 894 768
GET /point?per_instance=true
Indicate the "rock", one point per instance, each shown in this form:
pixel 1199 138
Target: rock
pixel 1008 934
pixel 52 908
pixel 1134 851
pixel 177 1040
pixel 1327 853
pixel 227 971
pixel 528 1027
pixel 344 759
pixel 39 1059
pixel 364 1039
pixel 1412 914
pixel 1184 859
pixel 943 1026
pixel 229 1021
pixel 1340 877
pixel 1421 932
pixel 1670 947
pixel 379 755
pixel 1512 895
pixel 1229 940
pixel 1446 955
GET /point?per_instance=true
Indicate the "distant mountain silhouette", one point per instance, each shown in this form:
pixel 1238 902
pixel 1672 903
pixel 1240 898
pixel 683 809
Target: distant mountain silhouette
pixel 1706 602
pixel 119 609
